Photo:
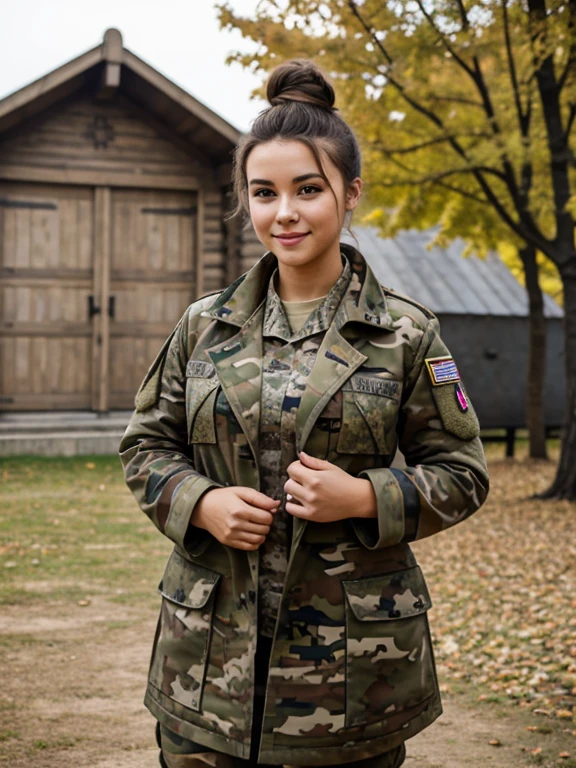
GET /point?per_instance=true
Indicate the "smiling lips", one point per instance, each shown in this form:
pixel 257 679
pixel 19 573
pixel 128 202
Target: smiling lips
pixel 291 238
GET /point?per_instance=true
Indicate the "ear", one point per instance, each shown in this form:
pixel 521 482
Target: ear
pixel 353 193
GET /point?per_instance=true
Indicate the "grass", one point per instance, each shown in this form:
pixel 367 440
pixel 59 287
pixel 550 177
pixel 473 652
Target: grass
pixel 69 528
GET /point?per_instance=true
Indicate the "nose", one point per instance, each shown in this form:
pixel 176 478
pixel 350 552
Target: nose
pixel 286 210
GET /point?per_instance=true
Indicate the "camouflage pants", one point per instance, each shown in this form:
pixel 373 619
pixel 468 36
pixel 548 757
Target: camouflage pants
pixel 177 752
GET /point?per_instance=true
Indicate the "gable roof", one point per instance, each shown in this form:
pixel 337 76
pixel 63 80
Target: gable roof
pixel 109 67
pixel 441 279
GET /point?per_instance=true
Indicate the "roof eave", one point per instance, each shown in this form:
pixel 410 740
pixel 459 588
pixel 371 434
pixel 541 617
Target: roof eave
pixel 29 93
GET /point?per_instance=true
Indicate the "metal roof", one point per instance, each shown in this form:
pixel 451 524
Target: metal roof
pixel 441 278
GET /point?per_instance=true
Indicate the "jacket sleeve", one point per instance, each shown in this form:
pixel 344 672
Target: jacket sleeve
pixel 446 477
pixel 154 450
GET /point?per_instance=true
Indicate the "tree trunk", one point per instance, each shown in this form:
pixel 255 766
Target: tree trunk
pixel 564 484
pixel 536 356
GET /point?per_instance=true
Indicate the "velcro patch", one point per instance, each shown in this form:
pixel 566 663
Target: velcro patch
pixel 200 368
pixel 442 370
pixel 373 386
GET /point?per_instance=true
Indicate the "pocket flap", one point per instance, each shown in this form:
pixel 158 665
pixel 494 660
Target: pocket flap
pixel 186 583
pixel 392 596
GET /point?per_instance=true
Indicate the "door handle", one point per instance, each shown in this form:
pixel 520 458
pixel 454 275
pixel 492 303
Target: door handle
pixel 112 307
pixel 93 308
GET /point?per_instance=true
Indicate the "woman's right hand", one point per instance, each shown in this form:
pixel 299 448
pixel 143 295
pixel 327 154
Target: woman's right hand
pixel 237 516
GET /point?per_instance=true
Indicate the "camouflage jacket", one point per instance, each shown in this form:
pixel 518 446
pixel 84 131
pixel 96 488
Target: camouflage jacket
pixel 351 672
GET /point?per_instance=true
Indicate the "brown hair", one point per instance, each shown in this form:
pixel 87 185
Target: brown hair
pixel 301 109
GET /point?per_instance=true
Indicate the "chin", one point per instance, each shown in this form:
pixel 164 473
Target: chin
pixel 294 259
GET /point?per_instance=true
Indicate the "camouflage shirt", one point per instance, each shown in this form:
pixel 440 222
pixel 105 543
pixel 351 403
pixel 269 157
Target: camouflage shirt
pixel 287 361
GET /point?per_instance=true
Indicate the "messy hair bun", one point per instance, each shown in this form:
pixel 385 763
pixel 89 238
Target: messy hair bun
pixel 299 80
pixel 301 109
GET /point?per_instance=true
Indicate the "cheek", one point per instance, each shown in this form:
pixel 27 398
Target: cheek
pixel 260 216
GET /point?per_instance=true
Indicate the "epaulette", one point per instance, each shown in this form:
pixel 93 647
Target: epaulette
pixel 425 311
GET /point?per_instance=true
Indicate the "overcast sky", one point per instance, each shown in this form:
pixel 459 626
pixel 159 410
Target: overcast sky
pixel 180 38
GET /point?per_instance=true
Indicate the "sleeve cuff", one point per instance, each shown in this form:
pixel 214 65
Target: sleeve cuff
pixel 397 507
pixel 185 497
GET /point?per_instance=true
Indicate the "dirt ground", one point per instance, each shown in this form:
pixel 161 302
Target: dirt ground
pixel 78 610
pixel 72 697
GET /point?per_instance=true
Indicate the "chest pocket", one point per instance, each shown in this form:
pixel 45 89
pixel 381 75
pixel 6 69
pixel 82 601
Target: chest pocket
pixel 369 415
pixel 201 391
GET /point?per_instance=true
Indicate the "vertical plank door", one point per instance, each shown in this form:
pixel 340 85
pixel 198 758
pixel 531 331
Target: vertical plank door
pixel 152 281
pixel 46 280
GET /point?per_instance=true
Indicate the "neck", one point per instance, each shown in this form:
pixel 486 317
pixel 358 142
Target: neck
pixel 308 281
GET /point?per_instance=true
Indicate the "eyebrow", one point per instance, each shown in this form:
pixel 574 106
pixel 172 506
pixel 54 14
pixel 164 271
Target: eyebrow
pixel 295 180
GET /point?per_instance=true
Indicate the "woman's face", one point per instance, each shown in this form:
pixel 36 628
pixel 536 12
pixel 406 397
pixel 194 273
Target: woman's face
pixel 293 209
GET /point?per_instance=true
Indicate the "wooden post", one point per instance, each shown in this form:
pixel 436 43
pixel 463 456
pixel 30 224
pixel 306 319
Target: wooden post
pixel 101 326
pixel 510 442
pixel 199 250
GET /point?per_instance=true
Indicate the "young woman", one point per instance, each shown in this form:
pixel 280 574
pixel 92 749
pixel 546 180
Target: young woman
pixel 293 628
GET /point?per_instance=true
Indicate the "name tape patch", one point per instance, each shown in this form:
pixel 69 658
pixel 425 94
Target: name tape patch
pixel 442 370
pixel 200 368
pixel 373 386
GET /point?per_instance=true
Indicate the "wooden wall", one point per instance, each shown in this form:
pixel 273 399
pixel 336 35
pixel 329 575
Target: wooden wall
pixel 115 140
pixel 140 223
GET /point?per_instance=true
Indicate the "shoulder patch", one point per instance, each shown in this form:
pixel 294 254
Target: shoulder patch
pixel 442 370
pixel 455 409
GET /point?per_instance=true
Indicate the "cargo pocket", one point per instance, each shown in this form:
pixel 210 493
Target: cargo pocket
pixel 201 391
pixel 369 415
pixel 180 654
pixel 389 661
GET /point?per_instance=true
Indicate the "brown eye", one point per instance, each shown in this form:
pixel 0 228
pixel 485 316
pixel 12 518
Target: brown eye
pixel 310 189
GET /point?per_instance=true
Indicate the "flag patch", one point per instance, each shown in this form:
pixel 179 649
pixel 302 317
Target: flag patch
pixel 442 370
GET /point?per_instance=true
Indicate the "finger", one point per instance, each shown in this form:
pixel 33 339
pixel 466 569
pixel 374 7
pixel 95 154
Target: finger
pixel 296 491
pixel 257 499
pixel 257 528
pixel 251 538
pixel 297 471
pixel 313 463
pixel 257 516
pixel 297 510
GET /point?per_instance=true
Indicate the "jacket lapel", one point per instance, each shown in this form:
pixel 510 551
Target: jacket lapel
pixel 238 363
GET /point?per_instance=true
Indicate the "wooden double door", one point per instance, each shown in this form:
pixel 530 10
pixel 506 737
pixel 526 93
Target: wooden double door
pixel 92 280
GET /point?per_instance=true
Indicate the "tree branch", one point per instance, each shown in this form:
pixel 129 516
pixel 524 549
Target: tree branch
pixel 512 70
pixel 444 40
pixel 477 77
pixel 525 227
pixel 424 145
pixel 570 121
pixel 438 182
pixel 463 16
pixel 557 136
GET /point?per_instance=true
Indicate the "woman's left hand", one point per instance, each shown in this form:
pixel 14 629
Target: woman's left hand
pixel 323 492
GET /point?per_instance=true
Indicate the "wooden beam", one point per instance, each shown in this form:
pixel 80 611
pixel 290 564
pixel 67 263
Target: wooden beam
pixel 199 246
pixel 23 97
pixel 180 96
pixel 109 82
pixel 112 51
pixel 63 175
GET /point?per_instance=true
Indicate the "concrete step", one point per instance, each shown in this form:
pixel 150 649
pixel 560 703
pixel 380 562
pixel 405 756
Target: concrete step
pixel 63 421
pixel 61 433
pixel 77 443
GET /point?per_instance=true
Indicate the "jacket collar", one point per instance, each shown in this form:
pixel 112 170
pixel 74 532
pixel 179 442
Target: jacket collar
pixel 363 302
